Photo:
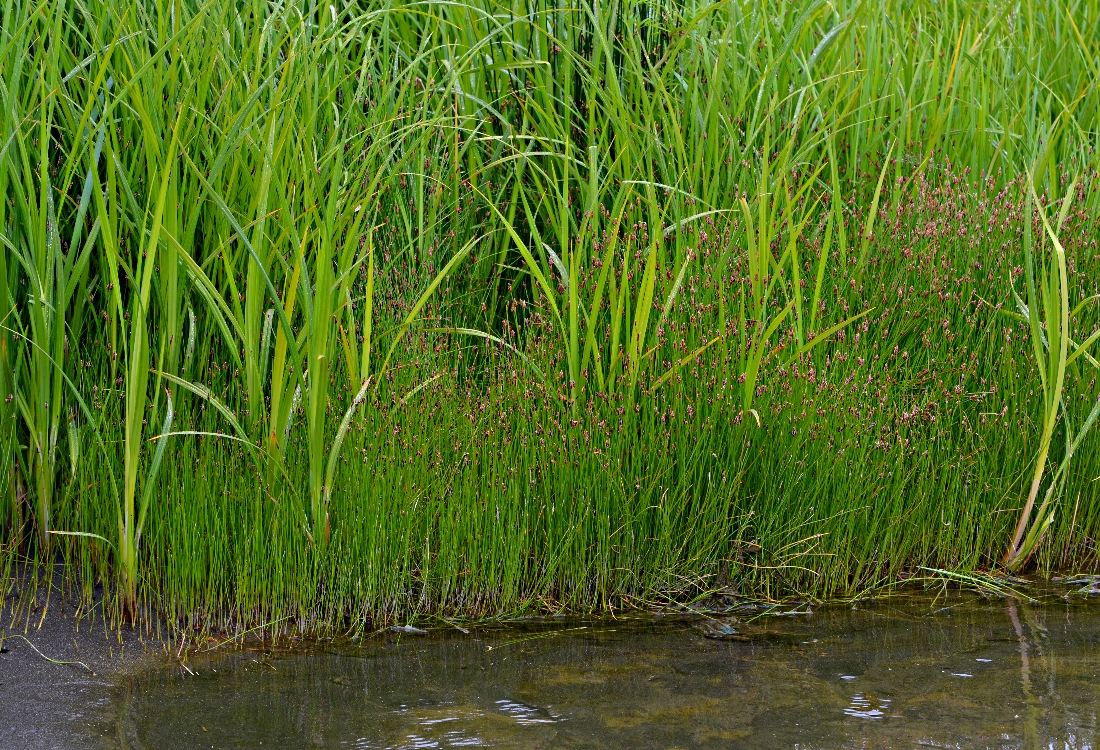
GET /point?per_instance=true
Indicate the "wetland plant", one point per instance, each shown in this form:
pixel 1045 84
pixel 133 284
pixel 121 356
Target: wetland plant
pixel 319 316
pixel 1051 324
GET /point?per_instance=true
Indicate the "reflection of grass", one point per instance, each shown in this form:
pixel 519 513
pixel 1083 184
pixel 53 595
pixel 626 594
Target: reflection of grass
pixel 673 710
pixel 539 636
pixel 570 676
pixel 330 318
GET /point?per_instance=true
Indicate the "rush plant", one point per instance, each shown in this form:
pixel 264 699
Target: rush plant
pixel 331 314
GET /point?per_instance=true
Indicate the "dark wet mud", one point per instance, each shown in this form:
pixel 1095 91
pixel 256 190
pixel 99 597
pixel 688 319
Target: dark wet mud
pixel 60 672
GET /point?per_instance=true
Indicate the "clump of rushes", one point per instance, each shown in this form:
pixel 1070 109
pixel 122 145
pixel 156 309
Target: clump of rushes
pixel 314 318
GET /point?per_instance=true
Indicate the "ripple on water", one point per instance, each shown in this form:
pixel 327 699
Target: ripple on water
pixel 866 706
pixel 414 741
pixel 525 714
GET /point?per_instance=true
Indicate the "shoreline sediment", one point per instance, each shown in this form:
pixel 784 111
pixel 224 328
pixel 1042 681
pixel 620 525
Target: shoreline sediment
pixel 60 668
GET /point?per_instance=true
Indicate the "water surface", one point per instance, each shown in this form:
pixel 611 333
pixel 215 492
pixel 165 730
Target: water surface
pixel 960 672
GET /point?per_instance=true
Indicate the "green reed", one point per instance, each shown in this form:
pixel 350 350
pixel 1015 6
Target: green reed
pixel 333 314
pixel 1051 324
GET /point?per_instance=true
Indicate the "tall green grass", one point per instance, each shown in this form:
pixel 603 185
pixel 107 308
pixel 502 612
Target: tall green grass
pixel 330 314
pixel 1051 325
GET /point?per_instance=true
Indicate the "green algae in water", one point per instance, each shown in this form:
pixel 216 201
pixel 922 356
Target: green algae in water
pixel 965 672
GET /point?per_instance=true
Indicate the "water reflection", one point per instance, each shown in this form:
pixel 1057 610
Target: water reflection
pixel 867 707
pixel 968 673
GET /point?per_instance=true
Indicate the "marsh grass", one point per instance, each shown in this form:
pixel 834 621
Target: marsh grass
pixel 321 316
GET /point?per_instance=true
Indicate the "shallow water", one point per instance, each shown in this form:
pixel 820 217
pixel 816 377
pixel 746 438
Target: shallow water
pixel 963 672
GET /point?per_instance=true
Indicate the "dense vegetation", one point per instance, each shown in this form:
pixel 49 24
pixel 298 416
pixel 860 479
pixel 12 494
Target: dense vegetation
pixel 317 317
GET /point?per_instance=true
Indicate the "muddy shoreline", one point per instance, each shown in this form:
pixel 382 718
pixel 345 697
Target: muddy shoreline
pixel 61 668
